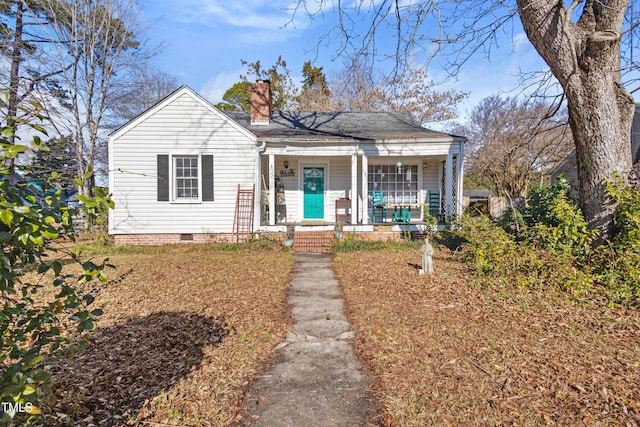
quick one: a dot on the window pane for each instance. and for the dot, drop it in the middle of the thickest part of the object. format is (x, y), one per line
(400, 185)
(186, 177)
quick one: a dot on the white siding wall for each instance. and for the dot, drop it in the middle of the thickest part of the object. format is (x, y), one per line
(431, 176)
(337, 182)
(183, 126)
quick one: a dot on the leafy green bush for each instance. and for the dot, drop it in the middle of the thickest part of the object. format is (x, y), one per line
(551, 245)
(552, 221)
(32, 327)
(486, 242)
(430, 221)
(541, 200)
(561, 229)
(619, 274)
(497, 258)
(617, 264)
(627, 214)
(94, 214)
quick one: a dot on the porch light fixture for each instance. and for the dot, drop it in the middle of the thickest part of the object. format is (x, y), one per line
(399, 165)
(286, 164)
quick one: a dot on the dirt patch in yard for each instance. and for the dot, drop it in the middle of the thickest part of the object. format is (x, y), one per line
(185, 330)
(444, 352)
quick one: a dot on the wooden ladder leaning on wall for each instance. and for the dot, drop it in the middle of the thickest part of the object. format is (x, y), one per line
(243, 218)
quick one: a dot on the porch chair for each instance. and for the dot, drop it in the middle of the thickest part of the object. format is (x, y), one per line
(434, 204)
(377, 202)
(402, 214)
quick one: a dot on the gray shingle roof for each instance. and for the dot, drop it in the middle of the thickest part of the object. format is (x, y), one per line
(336, 126)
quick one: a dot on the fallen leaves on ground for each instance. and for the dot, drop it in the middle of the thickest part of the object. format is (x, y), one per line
(443, 352)
(184, 331)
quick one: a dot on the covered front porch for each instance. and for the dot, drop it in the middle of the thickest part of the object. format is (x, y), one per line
(358, 186)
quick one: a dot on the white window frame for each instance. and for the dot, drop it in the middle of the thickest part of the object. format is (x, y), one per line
(392, 197)
(173, 190)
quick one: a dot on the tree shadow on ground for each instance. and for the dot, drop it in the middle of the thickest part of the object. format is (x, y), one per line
(129, 364)
(414, 266)
(449, 240)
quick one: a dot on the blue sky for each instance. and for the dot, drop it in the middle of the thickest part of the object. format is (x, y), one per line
(207, 39)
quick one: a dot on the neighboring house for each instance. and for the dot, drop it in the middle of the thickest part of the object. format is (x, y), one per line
(175, 170)
(568, 168)
(35, 186)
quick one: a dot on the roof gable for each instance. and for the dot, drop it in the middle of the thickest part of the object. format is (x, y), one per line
(172, 97)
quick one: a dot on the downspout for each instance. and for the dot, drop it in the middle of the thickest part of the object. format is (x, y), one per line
(257, 203)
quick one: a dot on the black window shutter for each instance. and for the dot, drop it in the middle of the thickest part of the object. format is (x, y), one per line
(163, 178)
(207, 178)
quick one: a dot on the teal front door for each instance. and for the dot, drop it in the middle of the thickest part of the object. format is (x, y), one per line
(313, 192)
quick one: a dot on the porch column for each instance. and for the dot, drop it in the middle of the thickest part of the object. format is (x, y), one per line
(448, 187)
(257, 201)
(365, 189)
(354, 188)
(459, 184)
(272, 189)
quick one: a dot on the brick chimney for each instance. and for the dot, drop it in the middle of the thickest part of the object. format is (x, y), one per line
(260, 102)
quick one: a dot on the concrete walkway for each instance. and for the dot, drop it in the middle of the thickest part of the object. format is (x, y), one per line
(317, 380)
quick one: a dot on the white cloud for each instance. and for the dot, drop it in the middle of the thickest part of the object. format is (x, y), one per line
(520, 40)
(217, 85)
(247, 14)
(265, 37)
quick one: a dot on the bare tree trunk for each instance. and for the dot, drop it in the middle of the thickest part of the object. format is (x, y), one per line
(600, 123)
(100, 45)
(14, 78)
(585, 58)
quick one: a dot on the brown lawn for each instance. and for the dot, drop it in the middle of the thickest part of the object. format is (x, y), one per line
(185, 329)
(442, 352)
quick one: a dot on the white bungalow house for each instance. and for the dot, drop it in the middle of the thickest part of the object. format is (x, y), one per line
(175, 170)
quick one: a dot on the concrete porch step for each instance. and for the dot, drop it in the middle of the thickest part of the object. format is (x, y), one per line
(313, 241)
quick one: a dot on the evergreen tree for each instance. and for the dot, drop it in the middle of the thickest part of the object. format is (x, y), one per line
(236, 97)
(315, 94)
(283, 91)
(56, 155)
(21, 34)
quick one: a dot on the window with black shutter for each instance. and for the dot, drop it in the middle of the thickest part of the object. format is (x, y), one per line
(185, 178)
(163, 177)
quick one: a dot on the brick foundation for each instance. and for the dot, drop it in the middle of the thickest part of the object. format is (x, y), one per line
(167, 239)
(380, 235)
(199, 238)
